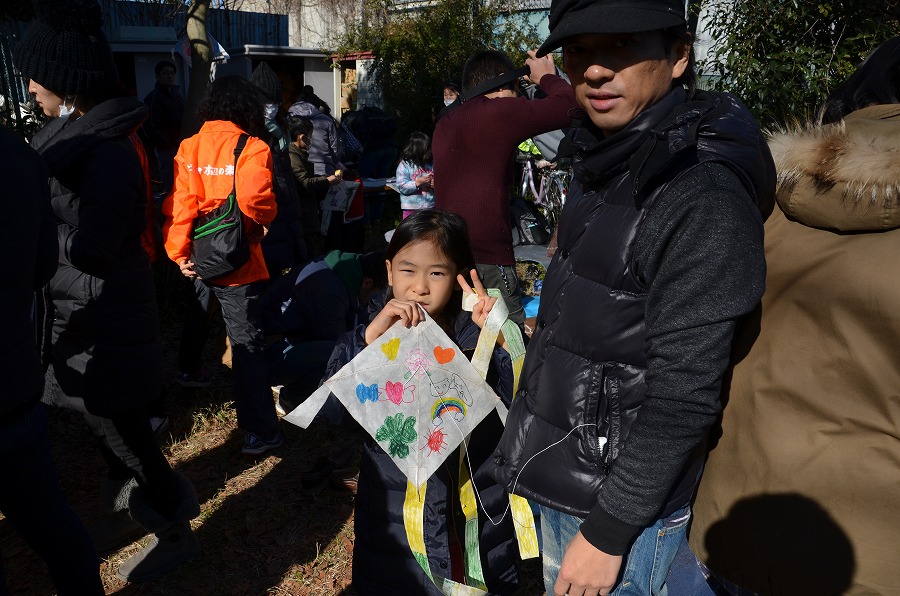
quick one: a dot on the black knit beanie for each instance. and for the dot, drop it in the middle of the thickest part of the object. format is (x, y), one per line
(64, 49)
(265, 79)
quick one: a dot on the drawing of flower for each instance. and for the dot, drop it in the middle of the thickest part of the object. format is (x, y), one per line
(399, 433)
(418, 363)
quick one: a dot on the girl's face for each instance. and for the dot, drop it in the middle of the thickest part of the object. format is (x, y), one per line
(419, 272)
(48, 100)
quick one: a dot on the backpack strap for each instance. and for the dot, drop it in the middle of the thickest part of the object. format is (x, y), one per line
(238, 149)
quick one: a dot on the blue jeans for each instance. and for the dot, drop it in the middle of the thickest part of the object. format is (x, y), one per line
(645, 566)
(689, 576)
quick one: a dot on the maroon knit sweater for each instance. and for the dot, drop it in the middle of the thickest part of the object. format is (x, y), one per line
(474, 149)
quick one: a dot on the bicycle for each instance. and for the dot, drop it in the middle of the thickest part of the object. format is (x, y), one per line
(550, 193)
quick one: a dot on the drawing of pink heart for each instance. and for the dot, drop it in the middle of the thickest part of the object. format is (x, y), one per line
(394, 392)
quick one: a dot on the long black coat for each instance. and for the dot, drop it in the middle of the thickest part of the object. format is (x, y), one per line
(28, 257)
(107, 354)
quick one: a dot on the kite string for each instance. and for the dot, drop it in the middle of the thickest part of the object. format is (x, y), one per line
(469, 459)
(522, 469)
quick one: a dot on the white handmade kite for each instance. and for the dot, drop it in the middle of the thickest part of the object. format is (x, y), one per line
(419, 397)
(414, 391)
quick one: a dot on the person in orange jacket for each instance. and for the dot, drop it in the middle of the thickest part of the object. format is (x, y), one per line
(204, 174)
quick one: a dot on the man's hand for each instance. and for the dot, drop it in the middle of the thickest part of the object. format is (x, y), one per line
(539, 66)
(586, 570)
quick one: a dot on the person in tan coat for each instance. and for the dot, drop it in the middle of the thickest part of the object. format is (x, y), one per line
(801, 493)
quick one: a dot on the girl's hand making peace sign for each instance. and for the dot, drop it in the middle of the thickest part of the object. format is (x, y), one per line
(485, 303)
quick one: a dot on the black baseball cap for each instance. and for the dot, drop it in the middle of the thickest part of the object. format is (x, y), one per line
(576, 17)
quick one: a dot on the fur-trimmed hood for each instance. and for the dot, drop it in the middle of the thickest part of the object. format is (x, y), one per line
(843, 176)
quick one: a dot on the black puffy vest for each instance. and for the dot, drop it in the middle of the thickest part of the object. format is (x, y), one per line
(583, 381)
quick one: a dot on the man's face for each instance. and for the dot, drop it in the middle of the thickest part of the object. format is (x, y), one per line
(618, 76)
(166, 76)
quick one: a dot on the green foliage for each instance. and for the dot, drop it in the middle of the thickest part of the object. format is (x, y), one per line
(783, 57)
(417, 51)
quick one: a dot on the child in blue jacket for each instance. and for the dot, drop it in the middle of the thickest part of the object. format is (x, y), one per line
(415, 175)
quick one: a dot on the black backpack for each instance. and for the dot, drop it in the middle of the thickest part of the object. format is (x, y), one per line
(219, 243)
(528, 223)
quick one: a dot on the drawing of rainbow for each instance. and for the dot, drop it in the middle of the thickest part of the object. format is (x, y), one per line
(448, 405)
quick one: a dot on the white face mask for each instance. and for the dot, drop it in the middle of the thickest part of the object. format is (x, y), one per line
(271, 111)
(447, 102)
(64, 110)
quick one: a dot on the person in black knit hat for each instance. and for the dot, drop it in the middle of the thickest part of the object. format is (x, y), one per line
(268, 83)
(106, 356)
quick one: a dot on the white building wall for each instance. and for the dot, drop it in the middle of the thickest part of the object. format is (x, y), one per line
(325, 82)
(311, 23)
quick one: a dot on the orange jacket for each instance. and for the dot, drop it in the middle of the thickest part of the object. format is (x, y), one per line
(203, 178)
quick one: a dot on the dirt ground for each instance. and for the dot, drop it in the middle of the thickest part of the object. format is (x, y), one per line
(261, 532)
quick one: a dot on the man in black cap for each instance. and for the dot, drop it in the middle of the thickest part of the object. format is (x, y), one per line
(660, 254)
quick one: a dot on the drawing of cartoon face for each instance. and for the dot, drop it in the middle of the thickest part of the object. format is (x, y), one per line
(452, 386)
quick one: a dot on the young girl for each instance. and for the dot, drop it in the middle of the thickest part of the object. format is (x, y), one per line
(427, 261)
(415, 175)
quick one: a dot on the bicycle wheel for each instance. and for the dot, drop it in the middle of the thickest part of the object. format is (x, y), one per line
(527, 180)
(554, 200)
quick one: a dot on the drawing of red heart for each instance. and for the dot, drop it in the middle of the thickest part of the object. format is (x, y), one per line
(394, 392)
(444, 355)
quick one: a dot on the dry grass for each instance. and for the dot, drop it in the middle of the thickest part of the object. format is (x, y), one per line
(261, 532)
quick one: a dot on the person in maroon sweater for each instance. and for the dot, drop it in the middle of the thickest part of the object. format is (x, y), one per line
(474, 149)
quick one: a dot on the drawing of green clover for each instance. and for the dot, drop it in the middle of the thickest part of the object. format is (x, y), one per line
(399, 433)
